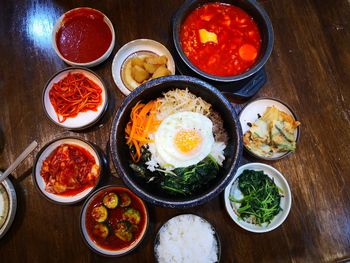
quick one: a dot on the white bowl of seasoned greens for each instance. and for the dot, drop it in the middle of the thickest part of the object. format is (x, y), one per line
(258, 198)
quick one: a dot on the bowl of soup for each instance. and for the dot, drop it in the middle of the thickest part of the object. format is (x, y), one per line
(223, 41)
(113, 221)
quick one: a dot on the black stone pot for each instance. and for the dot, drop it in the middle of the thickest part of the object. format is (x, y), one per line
(250, 81)
(152, 90)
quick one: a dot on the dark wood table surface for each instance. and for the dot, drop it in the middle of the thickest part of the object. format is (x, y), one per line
(309, 69)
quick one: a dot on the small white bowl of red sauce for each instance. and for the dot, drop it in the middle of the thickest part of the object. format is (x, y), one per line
(222, 41)
(75, 98)
(83, 37)
(113, 221)
(67, 170)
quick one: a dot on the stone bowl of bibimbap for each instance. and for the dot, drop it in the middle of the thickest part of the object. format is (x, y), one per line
(175, 141)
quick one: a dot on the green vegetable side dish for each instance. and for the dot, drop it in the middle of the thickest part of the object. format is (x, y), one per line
(110, 200)
(100, 213)
(101, 230)
(123, 232)
(125, 200)
(132, 215)
(187, 180)
(261, 197)
(183, 181)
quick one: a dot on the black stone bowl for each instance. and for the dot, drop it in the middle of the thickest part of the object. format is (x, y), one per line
(254, 9)
(152, 90)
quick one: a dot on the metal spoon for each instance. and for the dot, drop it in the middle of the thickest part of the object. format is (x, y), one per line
(19, 159)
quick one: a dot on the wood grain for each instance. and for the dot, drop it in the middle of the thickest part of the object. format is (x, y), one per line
(308, 69)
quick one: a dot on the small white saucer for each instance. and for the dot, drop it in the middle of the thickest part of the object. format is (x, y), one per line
(132, 48)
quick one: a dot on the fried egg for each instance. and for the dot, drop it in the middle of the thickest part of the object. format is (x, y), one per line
(183, 139)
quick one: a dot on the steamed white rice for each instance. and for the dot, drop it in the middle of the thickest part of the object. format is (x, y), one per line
(187, 238)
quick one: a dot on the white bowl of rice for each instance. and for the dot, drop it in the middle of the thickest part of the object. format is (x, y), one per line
(187, 238)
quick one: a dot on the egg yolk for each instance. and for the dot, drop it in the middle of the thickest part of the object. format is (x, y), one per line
(187, 140)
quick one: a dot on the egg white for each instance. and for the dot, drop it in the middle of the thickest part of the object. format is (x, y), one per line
(164, 139)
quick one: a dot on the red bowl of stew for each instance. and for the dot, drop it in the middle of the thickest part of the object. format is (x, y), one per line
(222, 41)
(113, 221)
(83, 37)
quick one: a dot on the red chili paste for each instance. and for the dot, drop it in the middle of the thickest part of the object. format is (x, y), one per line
(83, 36)
(234, 42)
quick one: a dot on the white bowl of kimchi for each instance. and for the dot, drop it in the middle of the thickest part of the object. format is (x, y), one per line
(75, 98)
(67, 170)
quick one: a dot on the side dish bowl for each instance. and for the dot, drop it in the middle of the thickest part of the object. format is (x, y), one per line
(285, 202)
(46, 151)
(251, 112)
(254, 9)
(177, 237)
(8, 205)
(132, 49)
(152, 90)
(85, 217)
(60, 22)
(84, 119)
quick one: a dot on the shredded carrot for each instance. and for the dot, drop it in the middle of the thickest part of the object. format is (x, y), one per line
(73, 94)
(142, 122)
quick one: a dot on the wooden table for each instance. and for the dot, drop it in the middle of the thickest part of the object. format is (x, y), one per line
(308, 69)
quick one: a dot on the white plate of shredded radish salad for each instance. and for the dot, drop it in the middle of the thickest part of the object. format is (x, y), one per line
(176, 141)
(187, 238)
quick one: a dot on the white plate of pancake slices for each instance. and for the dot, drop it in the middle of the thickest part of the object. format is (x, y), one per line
(272, 113)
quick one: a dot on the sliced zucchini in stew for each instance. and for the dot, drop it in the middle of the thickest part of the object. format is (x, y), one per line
(133, 228)
(125, 199)
(100, 230)
(132, 215)
(99, 213)
(122, 231)
(110, 200)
